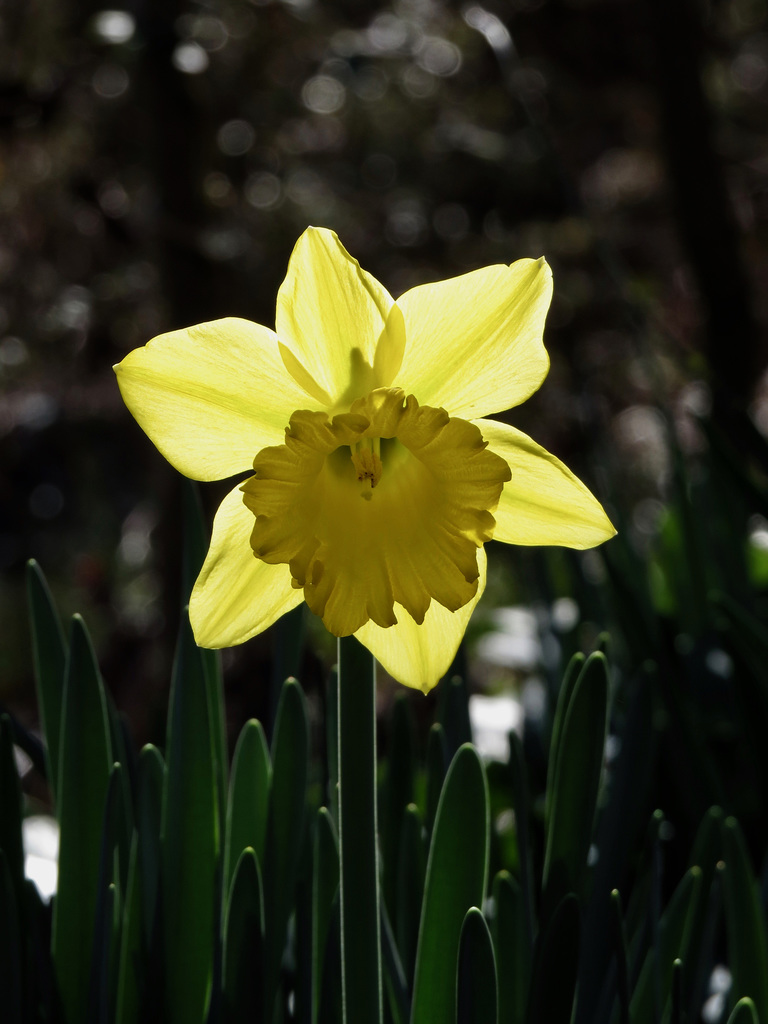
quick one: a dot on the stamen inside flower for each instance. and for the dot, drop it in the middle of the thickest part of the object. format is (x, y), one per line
(366, 458)
(431, 486)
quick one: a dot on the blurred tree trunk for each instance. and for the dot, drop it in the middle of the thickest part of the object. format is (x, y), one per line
(176, 127)
(176, 140)
(703, 209)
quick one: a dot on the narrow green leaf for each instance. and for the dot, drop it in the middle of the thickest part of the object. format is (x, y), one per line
(676, 1007)
(411, 868)
(555, 965)
(706, 854)
(332, 742)
(745, 922)
(190, 839)
(331, 1011)
(643, 908)
(287, 642)
(674, 935)
(102, 975)
(123, 754)
(214, 685)
(437, 767)
(577, 778)
(453, 713)
(620, 946)
(617, 836)
(196, 537)
(394, 975)
(285, 829)
(103, 982)
(248, 803)
(744, 1012)
(476, 986)
(149, 812)
(456, 880)
(361, 976)
(84, 766)
(325, 887)
(11, 842)
(398, 793)
(522, 809)
(49, 655)
(10, 948)
(244, 943)
(41, 999)
(131, 967)
(513, 952)
(301, 934)
(572, 673)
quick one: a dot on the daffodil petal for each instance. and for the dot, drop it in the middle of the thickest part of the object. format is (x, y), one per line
(543, 503)
(420, 655)
(342, 334)
(474, 343)
(237, 595)
(210, 397)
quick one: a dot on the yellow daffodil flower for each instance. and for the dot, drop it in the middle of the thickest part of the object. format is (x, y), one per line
(375, 481)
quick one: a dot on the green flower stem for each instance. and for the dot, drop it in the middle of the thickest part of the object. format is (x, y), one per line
(358, 845)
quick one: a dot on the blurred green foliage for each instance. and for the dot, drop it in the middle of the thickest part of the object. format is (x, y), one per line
(577, 889)
(158, 161)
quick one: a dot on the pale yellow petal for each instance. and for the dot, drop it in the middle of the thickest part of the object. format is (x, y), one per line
(474, 343)
(419, 656)
(211, 396)
(341, 333)
(543, 503)
(237, 595)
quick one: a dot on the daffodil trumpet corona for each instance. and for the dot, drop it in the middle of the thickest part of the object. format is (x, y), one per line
(376, 475)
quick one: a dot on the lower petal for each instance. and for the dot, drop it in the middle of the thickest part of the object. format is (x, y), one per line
(237, 595)
(543, 502)
(420, 655)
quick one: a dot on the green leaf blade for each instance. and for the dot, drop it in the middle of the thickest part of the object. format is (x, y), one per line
(745, 922)
(84, 769)
(244, 943)
(285, 829)
(456, 880)
(190, 839)
(49, 652)
(248, 801)
(476, 984)
(579, 758)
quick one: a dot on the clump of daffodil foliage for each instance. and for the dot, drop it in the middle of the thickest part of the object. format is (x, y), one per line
(376, 478)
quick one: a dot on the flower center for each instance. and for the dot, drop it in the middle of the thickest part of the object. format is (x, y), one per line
(430, 486)
(366, 458)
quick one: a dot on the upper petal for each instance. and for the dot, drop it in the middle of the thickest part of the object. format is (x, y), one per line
(420, 655)
(342, 334)
(543, 503)
(474, 343)
(237, 595)
(211, 396)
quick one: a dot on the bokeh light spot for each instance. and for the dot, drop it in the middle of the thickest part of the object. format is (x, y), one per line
(190, 58)
(235, 137)
(323, 94)
(114, 27)
(263, 190)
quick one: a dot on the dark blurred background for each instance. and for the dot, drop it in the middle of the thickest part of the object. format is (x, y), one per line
(158, 162)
